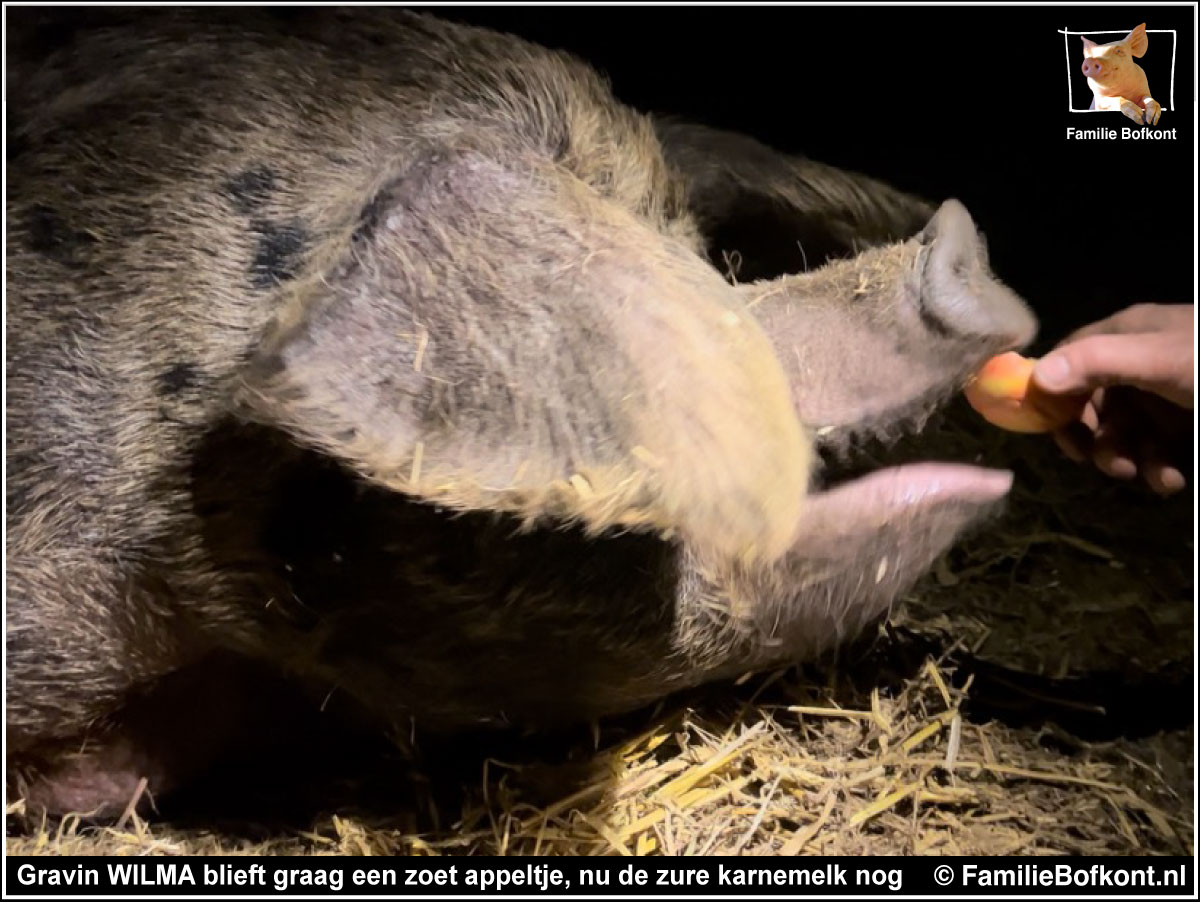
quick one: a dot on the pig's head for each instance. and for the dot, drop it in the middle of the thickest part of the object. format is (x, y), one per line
(873, 345)
(876, 341)
(1112, 63)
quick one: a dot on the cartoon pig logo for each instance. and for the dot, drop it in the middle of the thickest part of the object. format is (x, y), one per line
(1117, 82)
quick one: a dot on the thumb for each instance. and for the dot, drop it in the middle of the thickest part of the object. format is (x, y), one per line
(1149, 361)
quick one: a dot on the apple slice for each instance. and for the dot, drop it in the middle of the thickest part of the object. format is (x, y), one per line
(1002, 391)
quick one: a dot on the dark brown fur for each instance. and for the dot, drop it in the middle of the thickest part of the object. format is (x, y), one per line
(391, 352)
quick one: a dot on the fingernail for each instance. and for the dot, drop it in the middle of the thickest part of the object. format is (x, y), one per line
(1052, 371)
(1120, 468)
(1170, 481)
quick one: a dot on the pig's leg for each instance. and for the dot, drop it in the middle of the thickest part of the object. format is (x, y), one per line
(765, 213)
(1132, 110)
(1153, 110)
(496, 335)
(163, 736)
(79, 632)
(84, 634)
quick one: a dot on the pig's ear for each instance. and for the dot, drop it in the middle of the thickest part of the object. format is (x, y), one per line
(498, 336)
(1137, 40)
(1089, 47)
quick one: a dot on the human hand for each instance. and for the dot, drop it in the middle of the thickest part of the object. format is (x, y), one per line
(1137, 369)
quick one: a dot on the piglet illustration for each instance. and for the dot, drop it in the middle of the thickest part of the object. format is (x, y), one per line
(1117, 82)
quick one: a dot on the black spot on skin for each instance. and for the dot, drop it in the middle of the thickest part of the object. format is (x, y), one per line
(372, 215)
(394, 194)
(250, 189)
(260, 367)
(50, 235)
(177, 379)
(277, 256)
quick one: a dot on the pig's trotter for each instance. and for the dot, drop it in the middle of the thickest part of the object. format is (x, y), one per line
(497, 335)
(1153, 110)
(1132, 110)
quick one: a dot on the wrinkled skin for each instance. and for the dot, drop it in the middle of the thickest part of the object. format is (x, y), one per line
(395, 355)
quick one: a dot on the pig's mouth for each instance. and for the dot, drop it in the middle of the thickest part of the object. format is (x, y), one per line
(863, 492)
(869, 533)
(867, 459)
(950, 315)
(872, 528)
(879, 480)
(884, 470)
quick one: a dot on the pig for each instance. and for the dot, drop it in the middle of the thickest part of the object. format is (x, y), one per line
(1117, 82)
(398, 357)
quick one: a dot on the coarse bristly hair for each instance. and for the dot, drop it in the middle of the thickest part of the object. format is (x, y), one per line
(392, 352)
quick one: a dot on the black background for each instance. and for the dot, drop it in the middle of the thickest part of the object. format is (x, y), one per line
(944, 101)
(966, 102)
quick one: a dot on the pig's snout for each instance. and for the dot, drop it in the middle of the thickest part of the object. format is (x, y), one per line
(1092, 68)
(959, 295)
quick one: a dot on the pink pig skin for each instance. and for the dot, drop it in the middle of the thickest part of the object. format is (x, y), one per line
(1117, 82)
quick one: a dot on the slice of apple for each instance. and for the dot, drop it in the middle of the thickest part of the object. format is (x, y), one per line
(1003, 392)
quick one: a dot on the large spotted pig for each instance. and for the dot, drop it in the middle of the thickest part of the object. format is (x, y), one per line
(401, 356)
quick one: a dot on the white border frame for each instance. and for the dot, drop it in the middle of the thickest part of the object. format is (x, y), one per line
(1067, 52)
